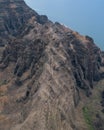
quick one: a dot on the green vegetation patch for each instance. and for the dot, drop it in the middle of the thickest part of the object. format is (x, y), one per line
(88, 118)
(4, 82)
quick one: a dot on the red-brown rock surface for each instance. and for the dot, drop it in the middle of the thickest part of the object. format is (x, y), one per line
(44, 69)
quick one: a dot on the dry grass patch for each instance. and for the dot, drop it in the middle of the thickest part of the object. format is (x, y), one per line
(80, 37)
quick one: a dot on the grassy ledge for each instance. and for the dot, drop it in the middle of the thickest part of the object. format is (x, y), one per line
(87, 118)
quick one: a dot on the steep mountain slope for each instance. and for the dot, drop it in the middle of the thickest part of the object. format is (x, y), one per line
(48, 73)
(14, 14)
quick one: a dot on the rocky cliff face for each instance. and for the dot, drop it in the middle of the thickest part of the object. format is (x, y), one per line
(45, 70)
(14, 14)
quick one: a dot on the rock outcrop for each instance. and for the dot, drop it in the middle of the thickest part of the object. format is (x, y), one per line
(44, 68)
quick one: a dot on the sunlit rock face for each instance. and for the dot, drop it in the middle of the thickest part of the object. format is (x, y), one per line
(45, 68)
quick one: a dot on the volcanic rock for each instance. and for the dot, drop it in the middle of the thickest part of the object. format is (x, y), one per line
(46, 67)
